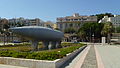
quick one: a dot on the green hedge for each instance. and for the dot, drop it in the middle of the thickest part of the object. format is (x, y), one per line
(23, 47)
(67, 44)
(41, 55)
(26, 47)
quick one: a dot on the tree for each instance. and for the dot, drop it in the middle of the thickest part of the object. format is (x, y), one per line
(5, 31)
(107, 31)
(82, 35)
(6, 26)
(117, 29)
(57, 29)
(91, 29)
(70, 30)
(19, 24)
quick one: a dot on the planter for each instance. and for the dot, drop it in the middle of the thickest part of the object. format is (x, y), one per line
(31, 63)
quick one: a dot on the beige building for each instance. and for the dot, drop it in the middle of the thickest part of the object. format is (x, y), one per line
(50, 24)
(55, 26)
(2, 22)
(75, 21)
(35, 22)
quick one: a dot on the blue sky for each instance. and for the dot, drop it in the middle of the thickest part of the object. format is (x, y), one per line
(51, 9)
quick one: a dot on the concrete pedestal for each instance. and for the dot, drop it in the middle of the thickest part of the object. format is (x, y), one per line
(103, 40)
(34, 45)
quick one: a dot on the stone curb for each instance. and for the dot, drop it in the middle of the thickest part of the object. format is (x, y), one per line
(84, 53)
(71, 56)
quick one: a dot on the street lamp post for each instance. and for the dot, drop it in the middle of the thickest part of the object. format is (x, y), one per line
(90, 34)
(93, 38)
(4, 36)
(11, 36)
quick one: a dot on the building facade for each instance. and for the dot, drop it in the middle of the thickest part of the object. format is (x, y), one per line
(114, 20)
(16, 22)
(50, 24)
(3, 21)
(75, 21)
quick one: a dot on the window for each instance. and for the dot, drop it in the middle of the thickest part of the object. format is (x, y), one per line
(79, 19)
(67, 19)
(75, 19)
(71, 19)
(84, 18)
(60, 26)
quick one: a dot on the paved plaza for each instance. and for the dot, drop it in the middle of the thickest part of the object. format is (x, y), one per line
(110, 55)
(97, 56)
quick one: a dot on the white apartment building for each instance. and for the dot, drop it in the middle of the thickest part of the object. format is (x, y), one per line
(114, 20)
(104, 19)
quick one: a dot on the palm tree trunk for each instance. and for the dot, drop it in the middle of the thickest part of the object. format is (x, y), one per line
(108, 38)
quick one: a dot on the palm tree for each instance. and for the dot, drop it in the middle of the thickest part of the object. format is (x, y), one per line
(107, 31)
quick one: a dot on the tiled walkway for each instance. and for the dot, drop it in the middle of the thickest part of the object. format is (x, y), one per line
(78, 59)
(90, 60)
(97, 56)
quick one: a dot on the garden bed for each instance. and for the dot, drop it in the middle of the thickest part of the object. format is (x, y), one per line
(51, 58)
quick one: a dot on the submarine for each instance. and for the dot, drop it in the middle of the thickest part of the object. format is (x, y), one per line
(51, 38)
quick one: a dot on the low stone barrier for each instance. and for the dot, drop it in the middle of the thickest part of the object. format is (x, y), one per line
(31, 63)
